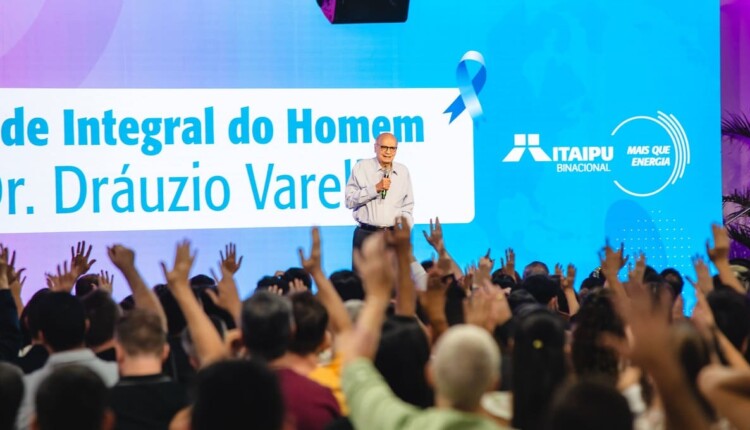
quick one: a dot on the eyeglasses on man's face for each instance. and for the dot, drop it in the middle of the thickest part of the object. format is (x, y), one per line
(387, 148)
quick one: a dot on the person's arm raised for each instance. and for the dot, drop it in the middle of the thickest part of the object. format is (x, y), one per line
(406, 294)
(567, 283)
(719, 255)
(651, 348)
(208, 343)
(15, 278)
(227, 297)
(437, 241)
(124, 259)
(339, 318)
(374, 265)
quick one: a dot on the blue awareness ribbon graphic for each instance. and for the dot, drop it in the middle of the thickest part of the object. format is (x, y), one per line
(469, 88)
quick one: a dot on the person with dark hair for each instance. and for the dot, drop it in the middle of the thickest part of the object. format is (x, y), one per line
(10, 329)
(144, 398)
(535, 268)
(348, 284)
(596, 317)
(539, 365)
(102, 313)
(544, 289)
(674, 279)
(11, 394)
(62, 329)
(86, 284)
(294, 273)
(72, 397)
(589, 405)
(267, 282)
(229, 393)
(403, 353)
(33, 356)
(732, 316)
(177, 366)
(267, 322)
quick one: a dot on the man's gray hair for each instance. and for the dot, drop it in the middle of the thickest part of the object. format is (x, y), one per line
(466, 364)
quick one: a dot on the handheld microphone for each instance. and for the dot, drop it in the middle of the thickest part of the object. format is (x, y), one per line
(387, 174)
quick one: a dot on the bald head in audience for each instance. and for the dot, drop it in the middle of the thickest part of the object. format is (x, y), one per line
(466, 364)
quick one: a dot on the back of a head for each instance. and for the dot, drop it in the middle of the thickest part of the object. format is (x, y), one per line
(176, 322)
(403, 353)
(539, 365)
(86, 284)
(140, 332)
(72, 397)
(62, 321)
(266, 282)
(732, 315)
(237, 391)
(267, 325)
(30, 316)
(589, 405)
(596, 316)
(293, 273)
(310, 323)
(535, 268)
(11, 394)
(102, 313)
(348, 284)
(674, 278)
(541, 287)
(466, 364)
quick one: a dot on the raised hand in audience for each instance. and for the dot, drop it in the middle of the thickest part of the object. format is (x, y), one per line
(437, 241)
(567, 284)
(106, 281)
(313, 264)
(651, 348)
(208, 343)
(15, 279)
(508, 264)
(124, 259)
(719, 255)
(297, 286)
(229, 259)
(80, 262)
(65, 279)
(433, 299)
(484, 271)
(227, 296)
(703, 281)
(406, 294)
(611, 262)
(487, 307)
(375, 267)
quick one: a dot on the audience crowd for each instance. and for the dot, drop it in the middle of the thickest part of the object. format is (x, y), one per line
(396, 344)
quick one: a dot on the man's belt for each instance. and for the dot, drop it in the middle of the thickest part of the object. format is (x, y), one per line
(368, 227)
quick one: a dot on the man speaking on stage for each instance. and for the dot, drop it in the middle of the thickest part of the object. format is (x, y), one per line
(379, 190)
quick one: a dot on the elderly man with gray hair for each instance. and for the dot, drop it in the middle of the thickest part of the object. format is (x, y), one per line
(465, 364)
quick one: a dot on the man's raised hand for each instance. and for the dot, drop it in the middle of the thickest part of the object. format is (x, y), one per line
(178, 279)
(229, 258)
(313, 263)
(80, 258)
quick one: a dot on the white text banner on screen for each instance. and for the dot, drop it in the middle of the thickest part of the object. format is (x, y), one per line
(163, 159)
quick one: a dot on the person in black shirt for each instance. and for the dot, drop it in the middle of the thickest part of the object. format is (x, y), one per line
(144, 398)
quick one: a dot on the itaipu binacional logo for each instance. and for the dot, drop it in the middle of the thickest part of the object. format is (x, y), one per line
(647, 154)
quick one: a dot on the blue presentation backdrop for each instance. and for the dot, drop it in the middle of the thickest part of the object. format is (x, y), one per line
(597, 120)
